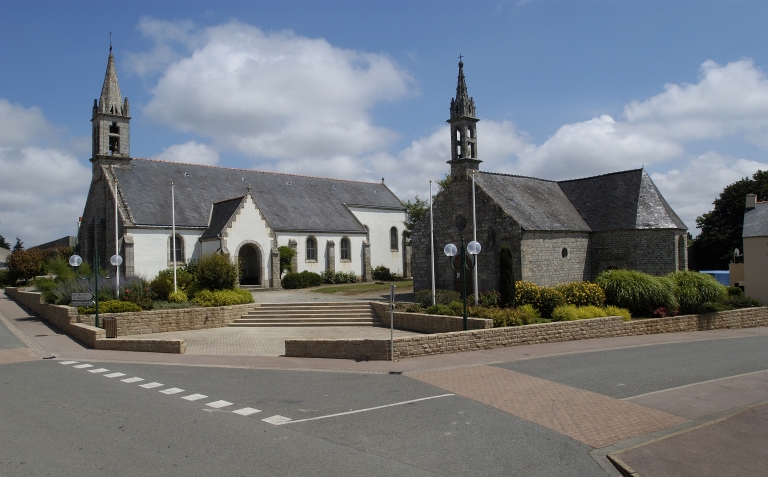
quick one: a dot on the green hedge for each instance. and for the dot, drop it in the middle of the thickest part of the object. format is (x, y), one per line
(694, 289)
(110, 306)
(223, 297)
(638, 292)
(301, 280)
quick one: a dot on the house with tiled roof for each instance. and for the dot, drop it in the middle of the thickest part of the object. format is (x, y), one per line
(755, 236)
(559, 231)
(134, 205)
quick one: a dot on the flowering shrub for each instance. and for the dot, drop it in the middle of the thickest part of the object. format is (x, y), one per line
(582, 293)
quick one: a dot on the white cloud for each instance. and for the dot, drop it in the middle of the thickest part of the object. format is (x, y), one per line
(171, 40)
(278, 95)
(692, 189)
(42, 190)
(191, 152)
(730, 99)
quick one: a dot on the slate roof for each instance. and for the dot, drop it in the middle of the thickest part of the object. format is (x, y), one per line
(220, 215)
(618, 201)
(621, 201)
(535, 204)
(288, 202)
(756, 221)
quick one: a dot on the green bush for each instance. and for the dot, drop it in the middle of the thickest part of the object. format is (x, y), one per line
(442, 297)
(162, 284)
(286, 258)
(506, 278)
(439, 309)
(693, 289)
(292, 281)
(223, 297)
(549, 299)
(216, 272)
(743, 302)
(486, 298)
(735, 291)
(413, 308)
(638, 292)
(522, 315)
(611, 310)
(565, 313)
(136, 290)
(5, 278)
(110, 306)
(457, 308)
(311, 279)
(582, 293)
(382, 273)
(178, 297)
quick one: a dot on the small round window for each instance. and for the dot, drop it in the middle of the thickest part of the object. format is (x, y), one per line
(565, 252)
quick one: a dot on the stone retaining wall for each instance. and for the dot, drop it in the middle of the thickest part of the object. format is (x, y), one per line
(81, 327)
(473, 340)
(424, 323)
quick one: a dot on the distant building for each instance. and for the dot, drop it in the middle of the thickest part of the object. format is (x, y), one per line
(333, 224)
(755, 235)
(559, 232)
(4, 252)
(68, 241)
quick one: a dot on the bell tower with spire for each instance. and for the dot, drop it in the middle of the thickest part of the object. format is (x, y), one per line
(111, 120)
(463, 131)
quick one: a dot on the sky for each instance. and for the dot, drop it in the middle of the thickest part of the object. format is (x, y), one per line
(360, 90)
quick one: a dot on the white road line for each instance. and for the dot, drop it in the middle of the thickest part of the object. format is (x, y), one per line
(83, 366)
(219, 404)
(172, 391)
(194, 397)
(353, 412)
(246, 411)
(693, 384)
(132, 380)
(277, 420)
(114, 375)
(67, 362)
(151, 385)
(98, 370)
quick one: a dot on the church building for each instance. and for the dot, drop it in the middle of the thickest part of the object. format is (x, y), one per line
(333, 224)
(559, 231)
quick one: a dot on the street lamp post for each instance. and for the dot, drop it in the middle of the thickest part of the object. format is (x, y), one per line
(75, 261)
(472, 248)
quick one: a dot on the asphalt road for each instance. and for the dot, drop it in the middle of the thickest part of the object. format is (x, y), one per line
(66, 418)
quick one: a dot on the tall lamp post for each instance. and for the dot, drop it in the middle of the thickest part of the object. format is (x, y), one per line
(75, 261)
(472, 248)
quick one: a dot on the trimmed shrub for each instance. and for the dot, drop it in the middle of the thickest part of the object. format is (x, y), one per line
(565, 313)
(743, 302)
(178, 297)
(549, 299)
(638, 292)
(527, 293)
(413, 309)
(439, 309)
(311, 279)
(382, 273)
(292, 281)
(110, 306)
(457, 308)
(522, 315)
(506, 278)
(223, 297)
(582, 293)
(735, 291)
(693, 289)
(216, 272)
(528, 315)
(611, 310)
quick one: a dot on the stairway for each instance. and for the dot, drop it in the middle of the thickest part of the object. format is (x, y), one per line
(310, 314)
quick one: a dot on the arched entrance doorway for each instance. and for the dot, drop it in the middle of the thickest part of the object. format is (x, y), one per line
(250, 265)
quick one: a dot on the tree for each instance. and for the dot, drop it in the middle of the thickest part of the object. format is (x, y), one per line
(286, 258)
(19, 245)
(443, 183)
(25, 264)
(722, 227)
(414, 211)
(4, 243)
(506, 277)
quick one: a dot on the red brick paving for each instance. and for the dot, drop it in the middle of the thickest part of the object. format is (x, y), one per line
(588, 417)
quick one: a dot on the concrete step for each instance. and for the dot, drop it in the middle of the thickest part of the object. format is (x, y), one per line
(310, 314)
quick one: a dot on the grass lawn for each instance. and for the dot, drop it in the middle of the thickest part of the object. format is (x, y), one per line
(356, 288)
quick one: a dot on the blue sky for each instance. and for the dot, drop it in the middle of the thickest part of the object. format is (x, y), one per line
(360, 90)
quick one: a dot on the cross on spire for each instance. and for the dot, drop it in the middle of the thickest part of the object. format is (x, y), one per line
(460, 57)
(110, 42)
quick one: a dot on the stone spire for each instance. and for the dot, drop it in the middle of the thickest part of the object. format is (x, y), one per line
(462, 105)
(111, 118)
(111, 101)
(463, 131)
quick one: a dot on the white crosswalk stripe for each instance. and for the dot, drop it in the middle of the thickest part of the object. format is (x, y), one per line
(68, 362)
(114, 375)
(194, 397)
(132, 380)
(151, 385)
(83, 366)
(98, 370)
(246, 411)
(172, 391)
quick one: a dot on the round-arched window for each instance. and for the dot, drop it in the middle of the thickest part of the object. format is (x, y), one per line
(564, 252)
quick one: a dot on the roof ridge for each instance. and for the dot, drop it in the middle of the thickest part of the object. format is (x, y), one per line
(515, 175)
(227, 200)
(254, 170)
(600, 175)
